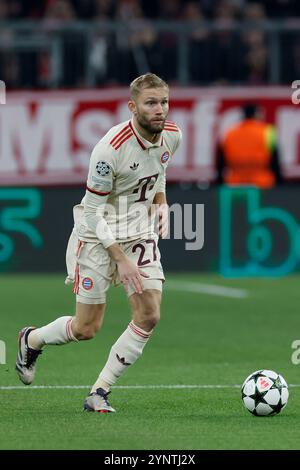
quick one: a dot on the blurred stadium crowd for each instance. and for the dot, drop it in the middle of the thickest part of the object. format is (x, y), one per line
(128, 9)
(94, 55)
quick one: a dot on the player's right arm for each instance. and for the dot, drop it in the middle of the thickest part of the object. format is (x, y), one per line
(102, 172)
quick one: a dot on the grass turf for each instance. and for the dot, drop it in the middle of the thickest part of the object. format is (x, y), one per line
(201, 340)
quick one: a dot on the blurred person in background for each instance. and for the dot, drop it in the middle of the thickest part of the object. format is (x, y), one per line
(199, 49)
(59, 15)
(127, 45)
(254, 64)
(171, 10)
(139, 50)
(248, 153)
(102, 50)
(8, 61)
(282, 8)
(255, 56)
(19, 66)
(226, 52)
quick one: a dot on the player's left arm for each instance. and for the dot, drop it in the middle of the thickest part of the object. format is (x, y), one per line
(160, 201)
(160, 198)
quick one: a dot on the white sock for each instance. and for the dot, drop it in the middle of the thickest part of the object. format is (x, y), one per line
(57, 332)
(126, 350)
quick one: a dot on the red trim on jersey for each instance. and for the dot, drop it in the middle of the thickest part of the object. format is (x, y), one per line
(119, 139)
(124, 140)
(77, 278)
(97, 192)
(77, 274)
(171, 129)
(139, 141)
(119, 134)
(79, 247)
(170, 126)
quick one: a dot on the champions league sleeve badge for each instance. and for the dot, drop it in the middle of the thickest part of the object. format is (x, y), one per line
(103, 169)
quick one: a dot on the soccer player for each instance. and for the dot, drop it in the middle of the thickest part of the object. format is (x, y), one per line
(114, 239)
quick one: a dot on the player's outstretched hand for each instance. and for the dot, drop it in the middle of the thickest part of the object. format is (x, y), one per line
(130, 274)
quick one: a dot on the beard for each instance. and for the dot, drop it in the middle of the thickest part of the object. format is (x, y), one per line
(151, 127)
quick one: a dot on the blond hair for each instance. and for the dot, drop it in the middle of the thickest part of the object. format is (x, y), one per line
(148, 80)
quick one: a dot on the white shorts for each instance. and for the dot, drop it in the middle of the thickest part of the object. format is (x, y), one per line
(92, 271)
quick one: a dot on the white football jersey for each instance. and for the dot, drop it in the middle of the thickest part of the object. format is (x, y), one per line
(126, 171)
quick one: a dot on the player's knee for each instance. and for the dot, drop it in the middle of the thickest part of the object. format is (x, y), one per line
(87, 331)
(87, 322)
(154, 320)
(151, 318)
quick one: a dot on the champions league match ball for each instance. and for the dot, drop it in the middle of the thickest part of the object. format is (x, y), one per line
(265, 393)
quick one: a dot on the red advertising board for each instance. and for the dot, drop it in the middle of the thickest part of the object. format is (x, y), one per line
(46, 137)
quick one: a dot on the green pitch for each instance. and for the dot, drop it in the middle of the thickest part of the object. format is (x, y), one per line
(206, 340)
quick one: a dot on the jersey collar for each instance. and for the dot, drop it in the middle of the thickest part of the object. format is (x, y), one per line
(145, 144)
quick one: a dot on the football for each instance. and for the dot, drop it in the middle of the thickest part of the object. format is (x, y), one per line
(265, 393)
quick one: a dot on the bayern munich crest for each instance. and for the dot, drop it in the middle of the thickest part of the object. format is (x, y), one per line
(165, 157)
(87, 283)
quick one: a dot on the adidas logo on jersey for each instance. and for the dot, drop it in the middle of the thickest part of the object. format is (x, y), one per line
(134, 166)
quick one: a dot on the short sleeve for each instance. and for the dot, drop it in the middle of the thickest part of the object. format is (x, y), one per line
(101, 170)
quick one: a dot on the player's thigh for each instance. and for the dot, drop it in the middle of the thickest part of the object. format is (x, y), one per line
(145, 308)
(145, 254)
